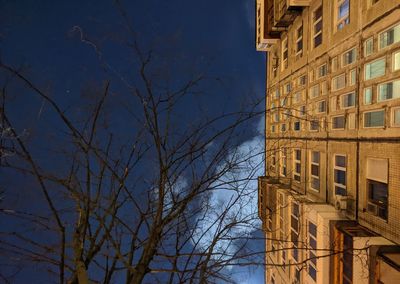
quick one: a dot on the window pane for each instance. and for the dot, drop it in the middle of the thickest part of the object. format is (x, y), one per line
(396, 61)
(367, 96)
(343, 9)
(312, 229)
(340, 161)
(374, 119)
(340, 177)
(369, 46)
(375, 69)
(396, 117)
(338, 122)
(315, 157)
(390, 90)
(315, 183)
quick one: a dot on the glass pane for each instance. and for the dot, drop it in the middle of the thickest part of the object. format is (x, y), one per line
(374, 119)
(315, 183)
(367, 96)
(312, 229)
(375, 69)
(340, 177)
(340, 161)
(343, 9)
(396, 117)
(340, 190)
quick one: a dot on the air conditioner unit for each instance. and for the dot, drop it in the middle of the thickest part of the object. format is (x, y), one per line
(341, 202)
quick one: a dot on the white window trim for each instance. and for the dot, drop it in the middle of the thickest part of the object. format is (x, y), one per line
(365, 46)
(295, 162)
(341, 100)
(378, 91)
(355, 57)
(314, 23)
(376, 127)
(319, 171)
(392, 117)
(344, 169)
(384, 31)
(393, 61)
(370, 62)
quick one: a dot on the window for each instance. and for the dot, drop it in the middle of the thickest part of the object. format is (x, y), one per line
(273, 160)
(299, 40)
(314, 125)
(285, 53)
(339, 82)
(302, 110)
(375, 69)
(273, 128)
(275, 116)
(294, 229)
(368, 96)
(297, 165)
(296, 97)
(348, 100)
(349, 57)
(339, 174)
(277, 94)
(396, 61)
(314, 91)
(322, 70)
(343, 14)
(312, 242)
(283, 162)
(396, 117)
(311, 77)
(321, 106)
(389, 90)
(324, 88)
(302, 80)
(334, 64)
(297, 126)
(377, 187)
(389, 37)
(374, 118)
(369, 46)
(338, 122)
(352, 77)
(317, 25)
(315, 159)
(288, 88)
(283, 127)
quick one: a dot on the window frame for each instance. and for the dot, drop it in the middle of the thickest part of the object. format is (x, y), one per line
(371, 40)
(299, 40)
(283, 162)
(394, 109)
(285, 53)
(364, 95)
(374, 110)
(394, 60)
(384, 31)
(344, 20)
(385, 83)
(318, 165)
(295, 163)
(371, 62)
(342, 169)
(318, 104)
(334, 86)
(315, 22)
(344, 122)
(312, 255)
(343, 56)
(342, 106)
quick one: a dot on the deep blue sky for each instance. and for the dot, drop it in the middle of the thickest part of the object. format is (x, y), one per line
(213, 37)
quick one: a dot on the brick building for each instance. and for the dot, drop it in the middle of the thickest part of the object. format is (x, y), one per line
(330, 197)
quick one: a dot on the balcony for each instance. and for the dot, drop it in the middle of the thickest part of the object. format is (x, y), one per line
(286, 11)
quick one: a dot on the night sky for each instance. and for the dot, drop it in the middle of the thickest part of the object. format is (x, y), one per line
(67, 46)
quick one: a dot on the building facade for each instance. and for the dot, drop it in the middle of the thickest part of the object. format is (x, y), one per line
(330, 197)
